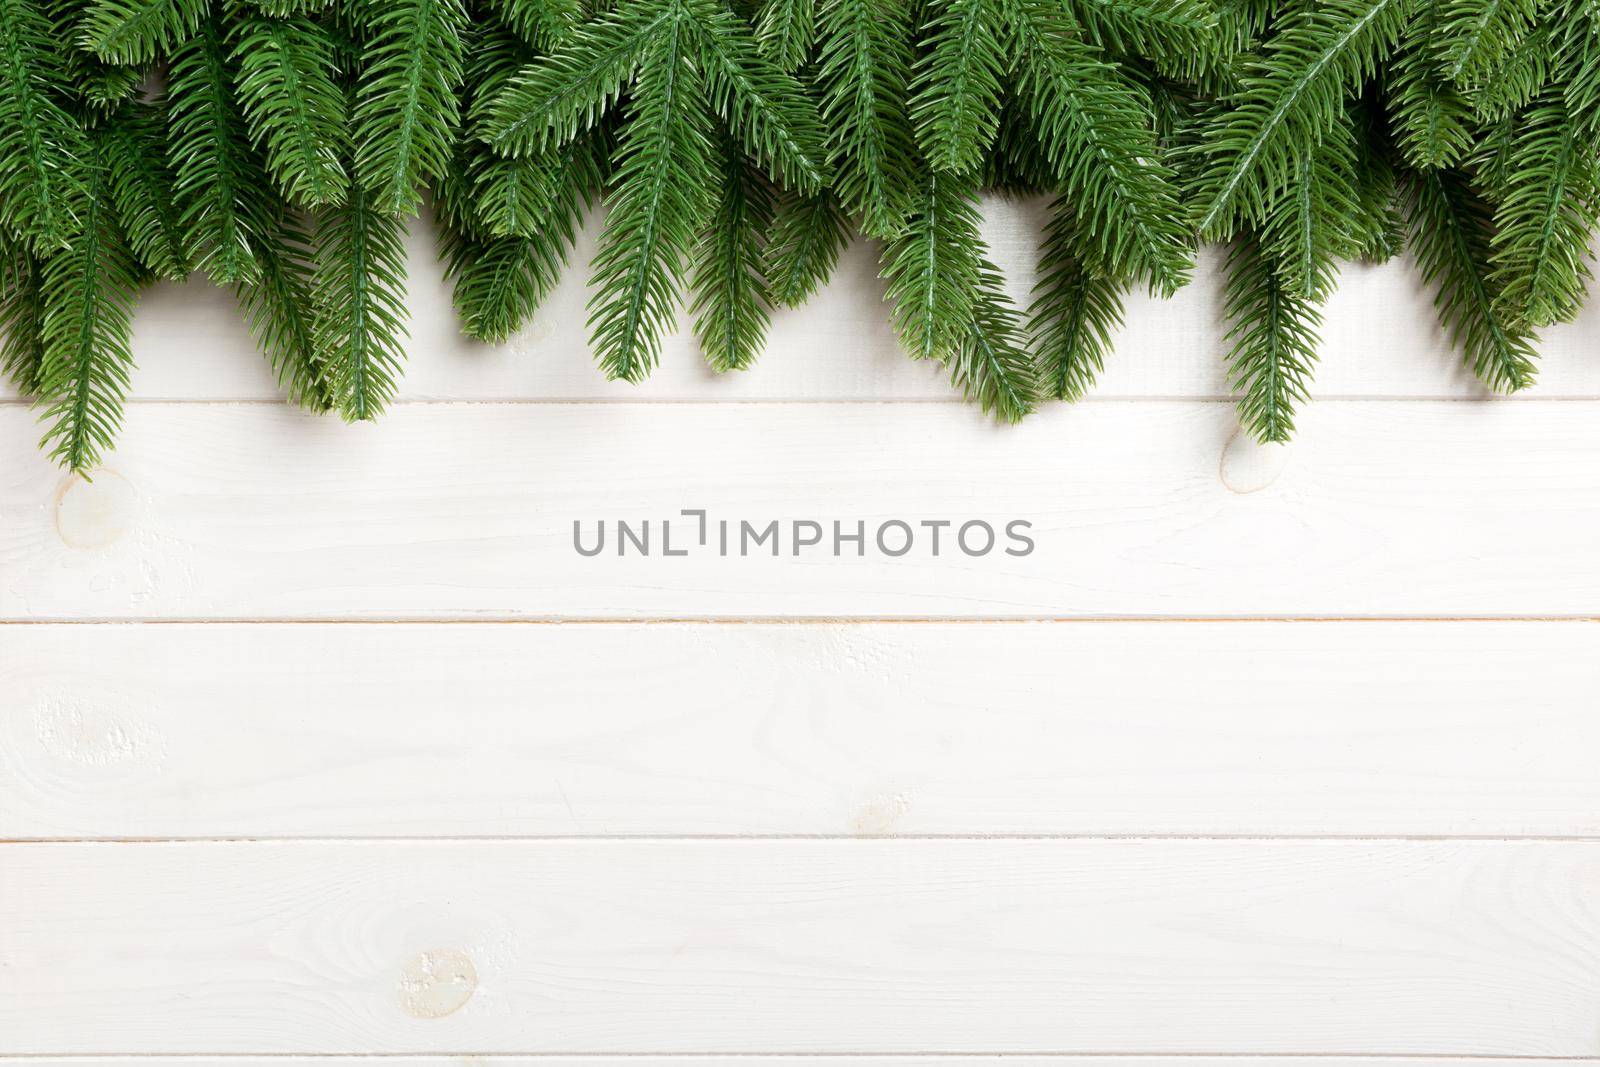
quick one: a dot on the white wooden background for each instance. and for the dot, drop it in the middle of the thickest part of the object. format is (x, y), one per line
(318, 741)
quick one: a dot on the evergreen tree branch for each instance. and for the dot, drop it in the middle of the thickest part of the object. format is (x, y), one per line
(991, 364)
(543, 24)
(1273, 342)
(764, 107)
(657, 209)
(218, 179)
(287, 9)
(1452, 229)
(1017, 166)
(1524, 72)
(731, 301)
(787, 31)
(958, 86)
(280, 311)
(284, 77)
(41, 182)
(863, 69)
(92, 83)
(803, 248)
(1434, 121)
(934, 268)
(359, 301)
(1547, 205)
(1567, 47)
(563, 94)
(512, 196)
(1380, 226)
(1076, 310)
(500, 281)
(136, 31)
(501, 196)
(1183, 38)
(1293, 97)
(1097, 138)
(406, 107)
(21, 317)
(1311, 225)
(1473, 37)
(89, 290)
(140, 185)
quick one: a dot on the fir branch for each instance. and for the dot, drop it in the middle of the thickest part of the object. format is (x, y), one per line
(512, 196)
(1452, 229)
(1434, 121)
(863, 69)
(1273, 342)
(140, 184)
(686, 61)
(21, 317)
(990, 363)
(1294, 96)
(565, 93)
(503, 197)
(1096, 136)
(657, 209)
(1523, 73)
(500, 281)
(1311, 225)
(540, 23)
(1548, 202)
(279, 309)
(359, 298)
(92, 83)
(1567, 47)
(1379, 232)
(89, 290)
(808, 233)
(284, 77)
(406, 107)
(959, 83)
(934, 268)
(1474, 37)
(136, 31)
(1017, 165)
(1242, 23)
(1076, 309)
(286, 9)
(787, 31)
(41, 183)
(765, 108)
(1491, 157)
(218, 179)
(1183, 38)
(731, 301)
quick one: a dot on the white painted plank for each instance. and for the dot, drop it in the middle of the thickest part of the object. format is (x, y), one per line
(1380, 338)
(879, 729)
(803, 946)
(1136, 509)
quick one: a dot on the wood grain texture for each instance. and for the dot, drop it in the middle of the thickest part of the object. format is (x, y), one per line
(462, 511)
(1380, 338)
(880, 729)
(803, 946)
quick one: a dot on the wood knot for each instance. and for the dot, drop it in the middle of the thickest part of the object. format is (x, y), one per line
(96, 513)
(435, 983)
(1248, 466)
